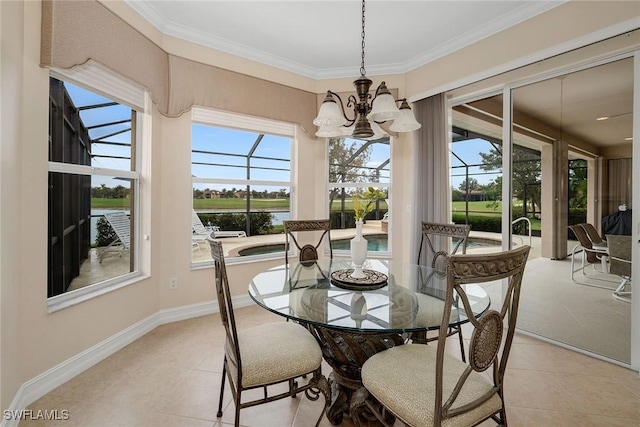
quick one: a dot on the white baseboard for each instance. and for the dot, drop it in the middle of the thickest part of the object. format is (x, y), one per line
(37, 387)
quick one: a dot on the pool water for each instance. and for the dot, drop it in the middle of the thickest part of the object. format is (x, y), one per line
(376, 242)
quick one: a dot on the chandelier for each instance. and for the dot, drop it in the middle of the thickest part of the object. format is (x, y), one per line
(332, 120)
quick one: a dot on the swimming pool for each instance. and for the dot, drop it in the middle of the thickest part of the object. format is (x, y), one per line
(376, 242)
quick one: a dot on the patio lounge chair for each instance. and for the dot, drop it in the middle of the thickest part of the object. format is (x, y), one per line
(591, 254)
(121, 225)
(202, 233)
(217, 233)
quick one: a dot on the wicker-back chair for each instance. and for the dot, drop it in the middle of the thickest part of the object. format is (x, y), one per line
(425, 385)
(265, 355)
(432, 230)
(307, 252)
(429, 232)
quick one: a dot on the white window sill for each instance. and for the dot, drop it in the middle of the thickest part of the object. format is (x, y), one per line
(69, 299)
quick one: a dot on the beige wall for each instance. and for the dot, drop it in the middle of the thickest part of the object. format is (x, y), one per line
(33, 341)
(11, 104)
(543, 36)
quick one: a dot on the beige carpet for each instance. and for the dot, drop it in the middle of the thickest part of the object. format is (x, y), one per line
(581, 316)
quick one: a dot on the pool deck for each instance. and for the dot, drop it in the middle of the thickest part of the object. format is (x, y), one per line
(92, 271)
(232, 245)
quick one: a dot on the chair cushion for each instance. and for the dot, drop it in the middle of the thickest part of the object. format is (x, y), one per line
(275, 352)
(403, 379)
(429, 310)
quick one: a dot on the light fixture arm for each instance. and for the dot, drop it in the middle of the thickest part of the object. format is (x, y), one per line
(365, 114)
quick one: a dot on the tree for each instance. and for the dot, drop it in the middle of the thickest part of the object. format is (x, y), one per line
(577, 183)
(474, 185)
(346, 161)
(526, 173)
(493, 190)
(456, 195)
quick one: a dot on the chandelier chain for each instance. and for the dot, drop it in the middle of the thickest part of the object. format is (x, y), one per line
(363, 72)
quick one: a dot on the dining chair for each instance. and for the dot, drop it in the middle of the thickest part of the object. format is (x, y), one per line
(425, 385)
(306, 251)
(459, 235)
(620, 264)
(265, 355)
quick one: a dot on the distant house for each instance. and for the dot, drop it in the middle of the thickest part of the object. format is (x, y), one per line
(475, 196)
(210, 194)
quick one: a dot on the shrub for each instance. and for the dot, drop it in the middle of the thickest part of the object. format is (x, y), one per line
(261, 222)
(350, 218)
(106, 235)
(490, 223)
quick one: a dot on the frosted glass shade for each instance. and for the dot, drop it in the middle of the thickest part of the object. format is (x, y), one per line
(383, 108)
(330, 113)
(406, 122)
(329, 131)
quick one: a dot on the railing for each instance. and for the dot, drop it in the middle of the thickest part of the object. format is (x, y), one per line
(524, 218)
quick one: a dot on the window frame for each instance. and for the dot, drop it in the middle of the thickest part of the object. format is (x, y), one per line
(362, 185)
(234, 121)
(93, 77)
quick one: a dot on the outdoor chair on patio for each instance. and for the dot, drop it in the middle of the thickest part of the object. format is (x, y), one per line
(620, 264)
(430, 234)
(199, 232)
(202, 233)
(121, 225)
(425, 385)
(591, 255)
(597, 242)
(265, 355)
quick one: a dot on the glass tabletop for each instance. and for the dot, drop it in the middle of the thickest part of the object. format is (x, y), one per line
(411, 300)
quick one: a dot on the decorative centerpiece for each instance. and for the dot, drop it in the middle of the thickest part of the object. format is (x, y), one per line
(372, 280)
(362, 205)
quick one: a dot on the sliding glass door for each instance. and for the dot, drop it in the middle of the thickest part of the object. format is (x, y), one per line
(566, 158)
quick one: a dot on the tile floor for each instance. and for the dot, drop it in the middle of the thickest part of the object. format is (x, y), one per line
(171, 377)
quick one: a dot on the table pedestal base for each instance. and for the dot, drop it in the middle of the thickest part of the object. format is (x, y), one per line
(346, 353)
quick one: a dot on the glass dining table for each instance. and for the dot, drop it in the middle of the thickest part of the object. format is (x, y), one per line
(353, 319)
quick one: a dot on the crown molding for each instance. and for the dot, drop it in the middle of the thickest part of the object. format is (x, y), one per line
(167, 27)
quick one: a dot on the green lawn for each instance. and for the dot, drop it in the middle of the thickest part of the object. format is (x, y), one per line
(478, 207)
(487, 208)
(239, 204)
(100, 203)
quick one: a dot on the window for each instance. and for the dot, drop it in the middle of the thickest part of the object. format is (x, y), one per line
(355, 166)
(241, 181)
(93, 189)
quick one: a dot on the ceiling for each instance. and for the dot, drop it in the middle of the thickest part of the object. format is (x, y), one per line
(566, 107)
(322, 38)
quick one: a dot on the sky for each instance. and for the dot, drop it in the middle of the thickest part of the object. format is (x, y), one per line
(469, 151)
(218, 139)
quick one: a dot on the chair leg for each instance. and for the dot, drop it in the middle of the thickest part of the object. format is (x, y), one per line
(461, 344)
(236, 423)
(224, 376)
(619, 290)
